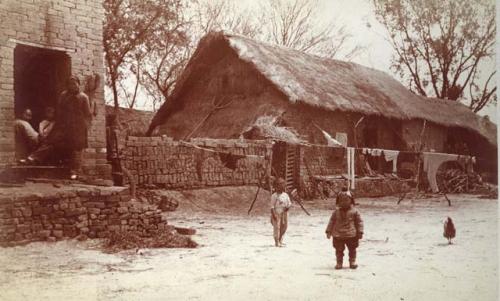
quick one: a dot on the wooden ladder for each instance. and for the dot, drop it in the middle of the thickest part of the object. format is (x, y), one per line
(290, 167)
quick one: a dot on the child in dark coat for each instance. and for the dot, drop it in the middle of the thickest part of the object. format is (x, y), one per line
(346, 227)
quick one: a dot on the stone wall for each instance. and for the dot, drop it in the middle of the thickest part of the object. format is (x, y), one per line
(162, 162)
(71, 27)
(90, 211)
(365, 187)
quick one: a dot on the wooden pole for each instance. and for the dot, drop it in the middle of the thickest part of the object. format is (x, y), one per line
(419, 149)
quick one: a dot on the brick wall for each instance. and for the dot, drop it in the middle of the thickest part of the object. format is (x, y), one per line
(166, 163)
(71, 26)
(65, 214)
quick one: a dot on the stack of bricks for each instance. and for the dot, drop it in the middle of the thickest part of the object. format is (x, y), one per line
(84, 211)
(73, 27)
(162, 162)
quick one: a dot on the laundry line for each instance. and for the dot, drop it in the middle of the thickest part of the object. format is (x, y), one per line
(381, 149)
(219, 152)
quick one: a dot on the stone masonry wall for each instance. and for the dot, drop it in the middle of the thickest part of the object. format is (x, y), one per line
(70, 26)
(59, 215)
(162, 162)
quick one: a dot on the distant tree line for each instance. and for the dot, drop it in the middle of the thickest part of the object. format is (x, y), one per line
(438, 44)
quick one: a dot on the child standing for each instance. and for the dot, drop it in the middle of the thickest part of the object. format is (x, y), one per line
(346, 227)
(280, 203)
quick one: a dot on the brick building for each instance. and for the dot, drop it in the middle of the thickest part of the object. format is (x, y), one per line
(42, 42)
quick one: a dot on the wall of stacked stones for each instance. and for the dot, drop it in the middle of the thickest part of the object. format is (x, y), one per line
(162, 162)
(70, 26)
(63, 215)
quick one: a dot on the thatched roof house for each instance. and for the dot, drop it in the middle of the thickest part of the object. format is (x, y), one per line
(251, 79)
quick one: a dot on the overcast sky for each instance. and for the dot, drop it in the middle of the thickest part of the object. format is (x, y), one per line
(358, 16)
(360, 20)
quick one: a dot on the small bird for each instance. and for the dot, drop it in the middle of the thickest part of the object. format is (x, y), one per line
(449, 229)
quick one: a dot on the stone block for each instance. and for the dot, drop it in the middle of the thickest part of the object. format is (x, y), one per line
(38, 210)
(57, 233)
(94, 211)
(114, 228)
(43, 233)
(122, 210)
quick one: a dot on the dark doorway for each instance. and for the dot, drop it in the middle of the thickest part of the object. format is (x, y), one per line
(39, 77)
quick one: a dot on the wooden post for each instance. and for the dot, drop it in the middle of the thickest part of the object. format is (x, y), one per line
(419, 149)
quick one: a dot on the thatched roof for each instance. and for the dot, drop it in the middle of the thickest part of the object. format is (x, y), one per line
(337, 85)
(267, 127)
(131, 121)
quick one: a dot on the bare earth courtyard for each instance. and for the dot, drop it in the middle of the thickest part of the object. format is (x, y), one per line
(403, 256)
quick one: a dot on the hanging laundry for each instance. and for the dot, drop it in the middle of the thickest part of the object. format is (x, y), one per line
(392, 155)
(351, 170)
(330, 140)
(367, 151)
(341, 138)
(376, 152)
(467, 163)
(432, 161)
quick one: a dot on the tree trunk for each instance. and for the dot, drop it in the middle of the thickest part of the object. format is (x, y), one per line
(115, 94)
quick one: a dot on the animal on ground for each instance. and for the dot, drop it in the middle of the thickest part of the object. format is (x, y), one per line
(449, 230)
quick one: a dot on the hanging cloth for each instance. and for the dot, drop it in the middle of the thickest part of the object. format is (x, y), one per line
(432, 161)
(467, 163)
(351, 169)
(392, 155)
(376, 152)
(330, 140)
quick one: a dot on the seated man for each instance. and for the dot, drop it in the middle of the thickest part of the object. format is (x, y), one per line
(69, 135)
(25, 135)
(47, 124)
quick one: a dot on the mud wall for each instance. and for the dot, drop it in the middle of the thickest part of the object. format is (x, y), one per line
(87, 212)
(165, 163)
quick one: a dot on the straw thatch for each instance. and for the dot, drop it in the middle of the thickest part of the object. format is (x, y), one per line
(267, 127)
(131, 122)
(334, 85)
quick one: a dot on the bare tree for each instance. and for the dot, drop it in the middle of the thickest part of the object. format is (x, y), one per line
(164, 58)
(215, 15)
(440, 45)
(161, 69)
(130, 25)
(295, 24)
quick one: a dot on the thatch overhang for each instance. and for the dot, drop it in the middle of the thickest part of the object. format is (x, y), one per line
(328, 84)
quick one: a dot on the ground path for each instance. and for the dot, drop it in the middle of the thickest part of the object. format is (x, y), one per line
(403, 256)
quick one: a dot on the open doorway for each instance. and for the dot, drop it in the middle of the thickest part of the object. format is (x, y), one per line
(40, 75)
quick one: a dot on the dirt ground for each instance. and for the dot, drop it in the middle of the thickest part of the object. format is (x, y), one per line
(403, 256)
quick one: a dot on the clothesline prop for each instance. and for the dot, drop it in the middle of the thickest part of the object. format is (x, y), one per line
(431, 160)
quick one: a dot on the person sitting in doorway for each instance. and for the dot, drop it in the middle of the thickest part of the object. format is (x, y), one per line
(47, 124)
(70, 133)
(26, 138)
